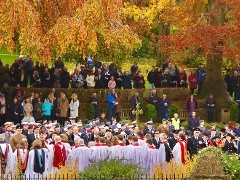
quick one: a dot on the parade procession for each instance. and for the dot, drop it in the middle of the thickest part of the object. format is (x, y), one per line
(40, 149)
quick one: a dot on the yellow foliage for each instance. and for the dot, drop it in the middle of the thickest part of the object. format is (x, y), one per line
(172, 169)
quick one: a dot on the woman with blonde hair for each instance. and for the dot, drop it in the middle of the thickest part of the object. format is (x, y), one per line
(37, 162)
(74, 105)
(63, 106)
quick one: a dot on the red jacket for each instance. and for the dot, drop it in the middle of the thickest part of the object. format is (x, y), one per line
(59, 157)
(193, 81)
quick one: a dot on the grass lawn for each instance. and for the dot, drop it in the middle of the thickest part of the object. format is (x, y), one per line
(144, 64)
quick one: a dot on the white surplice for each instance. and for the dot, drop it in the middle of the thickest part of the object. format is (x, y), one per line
(29, 173)
(177, 153)
(99, 153)
(10, 158)
(81, 154)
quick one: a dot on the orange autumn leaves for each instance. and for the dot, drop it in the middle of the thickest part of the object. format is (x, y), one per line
(86, 27)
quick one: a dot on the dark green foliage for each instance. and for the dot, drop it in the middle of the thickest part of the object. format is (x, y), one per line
(143, 105)
(234, 112)
(111, 169)
(90, 111)
(174, 108)
(151, 111)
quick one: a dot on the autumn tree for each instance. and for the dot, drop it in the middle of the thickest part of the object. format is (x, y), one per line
(211, 30)
(55, 27)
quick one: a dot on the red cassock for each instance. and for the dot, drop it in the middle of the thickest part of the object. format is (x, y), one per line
(59, 157)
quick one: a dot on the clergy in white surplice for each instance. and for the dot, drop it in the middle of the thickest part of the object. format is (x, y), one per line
(100, 152)
(7, 160)
(37, 162)
(180, 151)
(81, 154)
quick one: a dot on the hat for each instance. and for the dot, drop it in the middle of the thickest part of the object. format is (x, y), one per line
(150, 122)
(223, 130)
(196, 130)
(19, 126)
(24, 123)
(31, 123)
(213, 124)
(108, 130)
(21, 56)
(213, 130)
(8, 123)
(89, 130)
(215, 137)
(175, 131)
(164, 120)
(87, 126)
(205, 134)
(201, 121)
(231, 135)
(156, 132)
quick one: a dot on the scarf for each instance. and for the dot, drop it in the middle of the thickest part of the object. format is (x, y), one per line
(39, 161)
(4, 158)
(182, 152)
(22, 164)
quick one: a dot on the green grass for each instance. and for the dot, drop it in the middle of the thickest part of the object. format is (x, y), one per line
(7, 57)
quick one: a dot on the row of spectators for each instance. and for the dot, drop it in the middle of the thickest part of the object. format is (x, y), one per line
(98, 75)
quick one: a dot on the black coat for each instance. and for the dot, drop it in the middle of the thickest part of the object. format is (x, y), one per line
(229, 147)
(99, 79)
(133, 102)
(30, 139)
(65, 78)
(210, 109)
(172, 142)
(194, 145)
(156, 143)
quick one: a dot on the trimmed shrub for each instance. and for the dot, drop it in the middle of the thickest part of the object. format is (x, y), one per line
(234, 113)
(90, 111)
(174, 108)
(151, 111)
(112, 169)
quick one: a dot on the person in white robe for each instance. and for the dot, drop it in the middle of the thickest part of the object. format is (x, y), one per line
(179, 151)
(7, 166)
(100, 152)
(20, 156)
(74, 105)
(37, 162)
(81, 154)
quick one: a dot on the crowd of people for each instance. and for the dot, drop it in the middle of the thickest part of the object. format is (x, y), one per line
(42, 149)
(99, 75)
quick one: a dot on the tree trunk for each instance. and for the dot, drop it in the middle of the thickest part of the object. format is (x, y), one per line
(164, 30)
(214, 81)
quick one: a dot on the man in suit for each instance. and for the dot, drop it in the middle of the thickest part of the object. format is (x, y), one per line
(154, 100)
(8, 131)
(99, 79)
(210, 107)
(134, 100)
(194, 143)
(32, 137)
(156, 139)
(193, 121)
(173, 141)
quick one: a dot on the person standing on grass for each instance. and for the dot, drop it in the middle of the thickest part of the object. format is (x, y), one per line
(111, 99)
(47, 107)
(193, 81)
(164, 106)
(210, 107)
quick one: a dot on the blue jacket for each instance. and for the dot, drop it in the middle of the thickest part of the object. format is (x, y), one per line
(163, 108)
(46, 108)
(111, 100)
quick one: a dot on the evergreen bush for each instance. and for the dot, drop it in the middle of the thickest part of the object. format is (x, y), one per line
(112, 169)
(234, 113)
(151, 111)
(174, 108)
(90, 111)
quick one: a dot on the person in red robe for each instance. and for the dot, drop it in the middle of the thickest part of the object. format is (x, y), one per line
(59, 156)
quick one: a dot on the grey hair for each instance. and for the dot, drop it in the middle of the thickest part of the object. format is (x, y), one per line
(57, 138)
(77, 139)
(163, 136)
